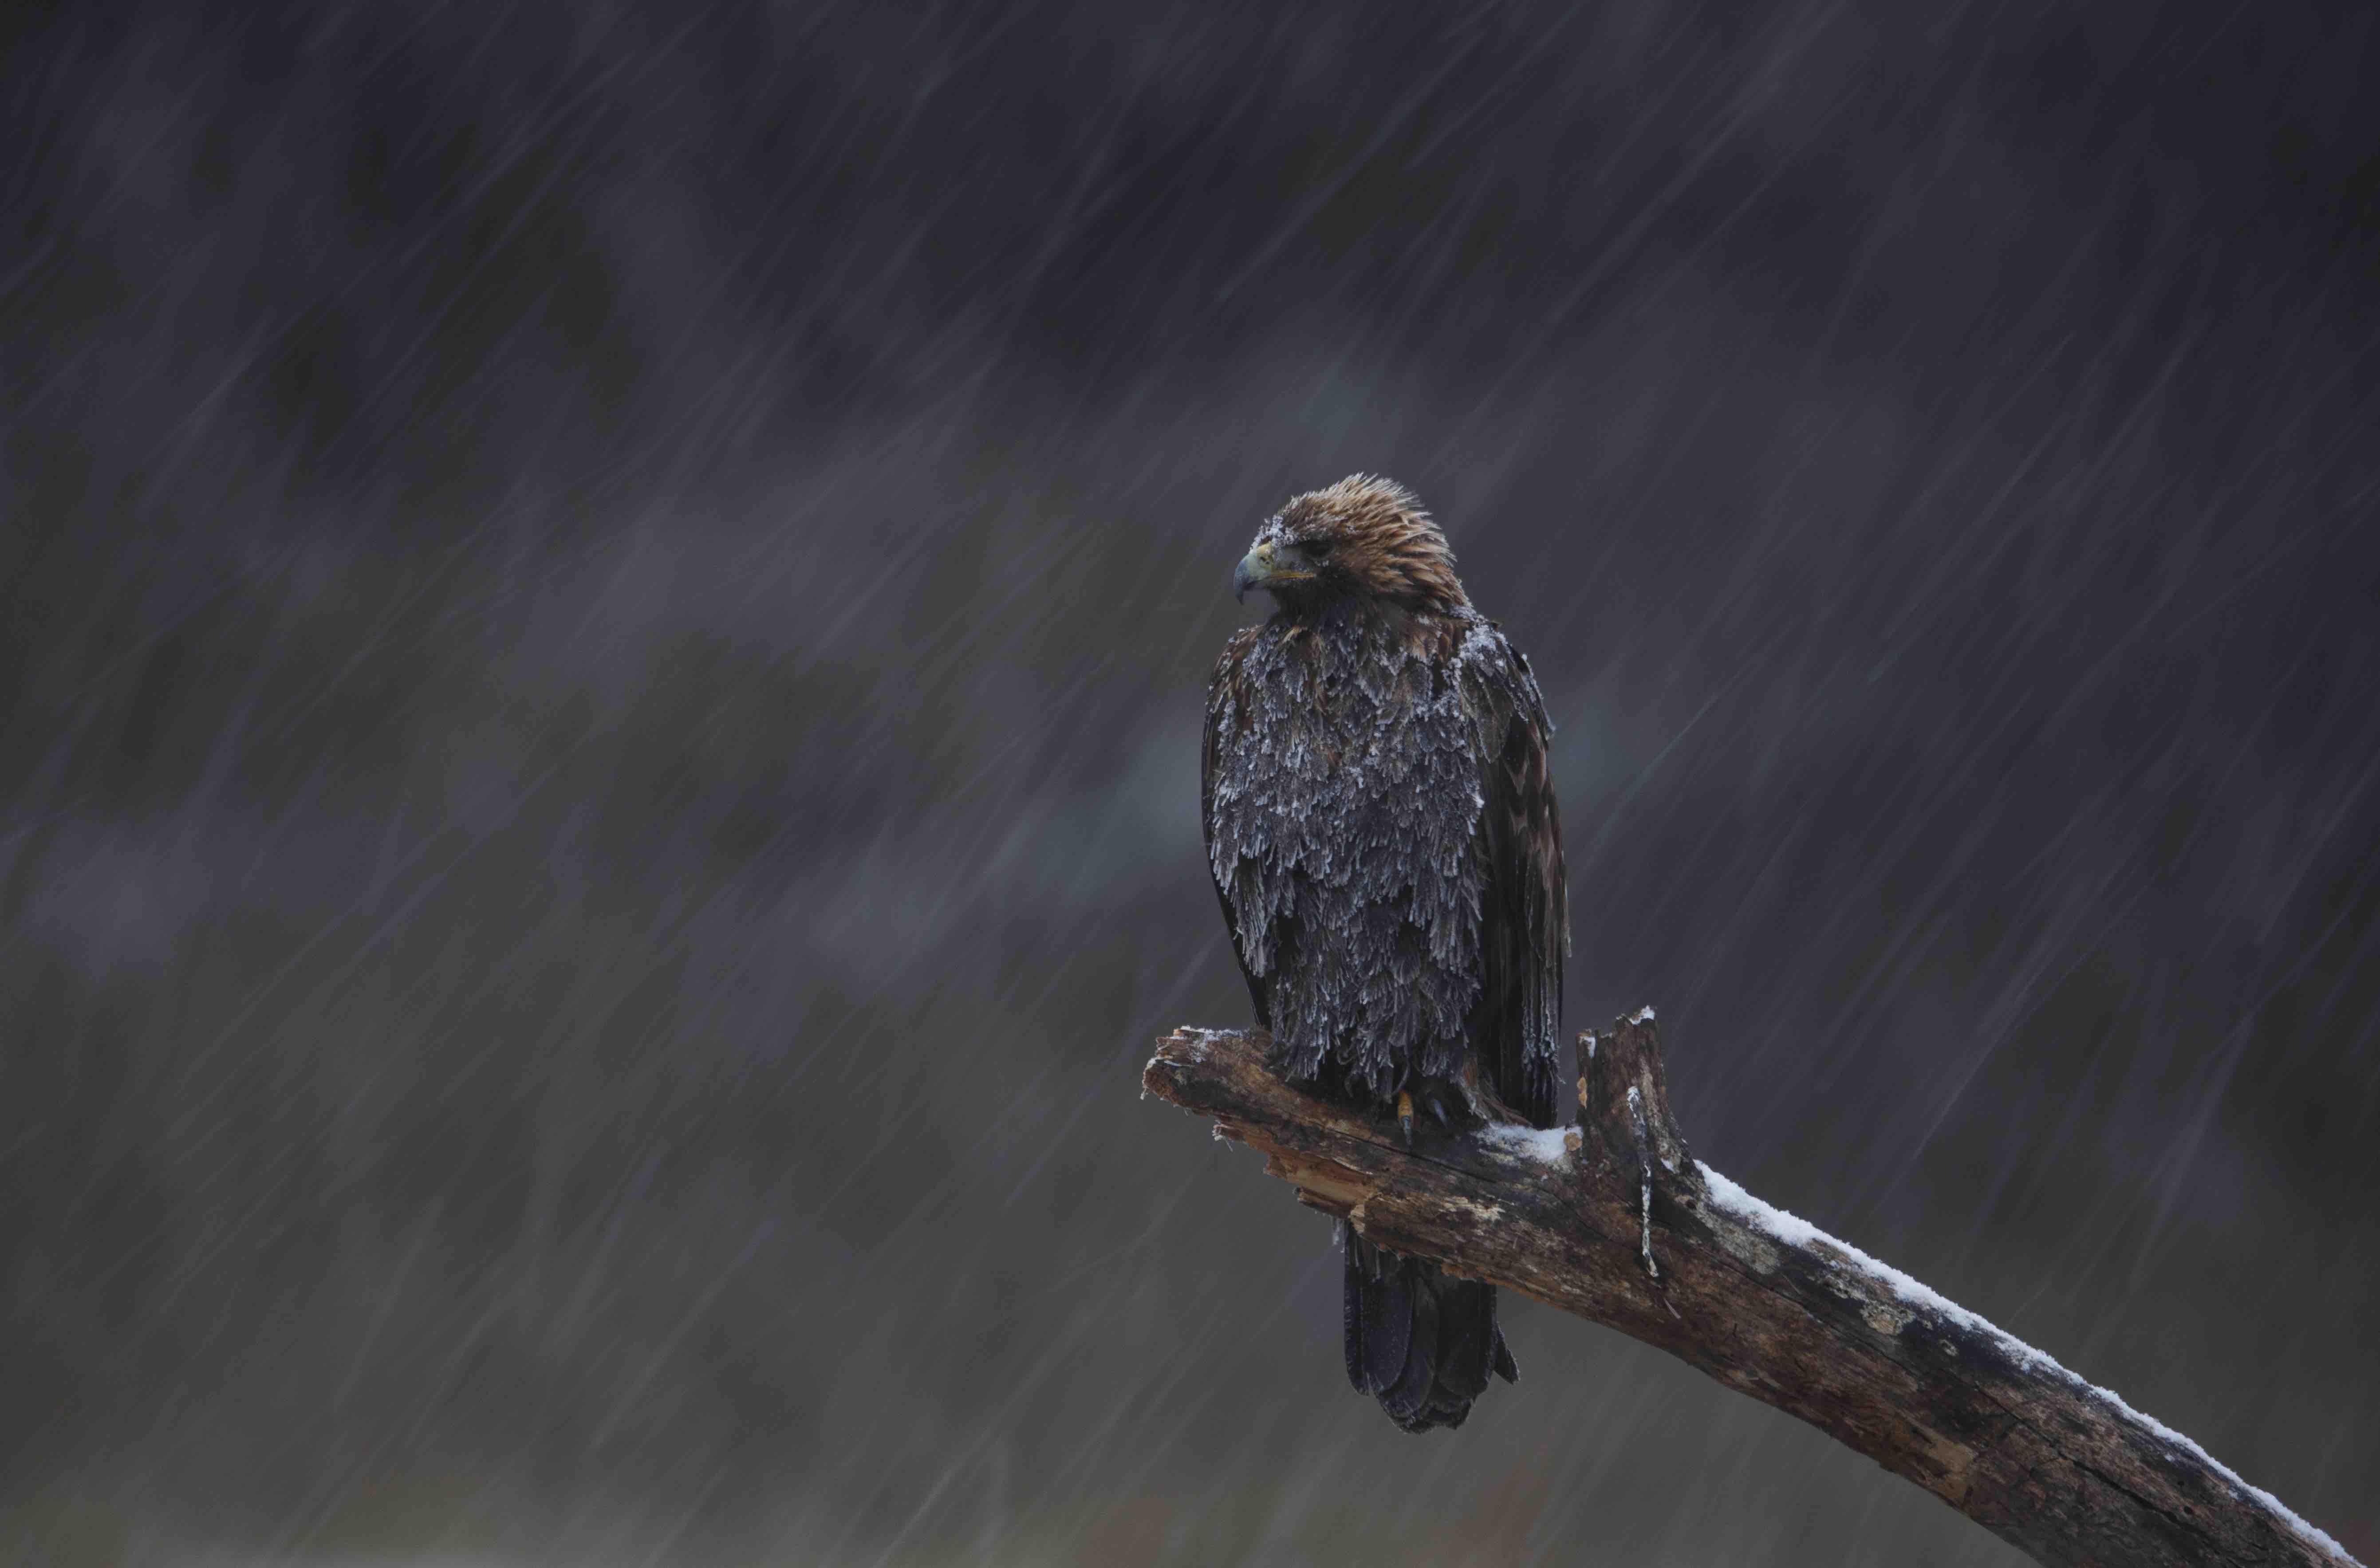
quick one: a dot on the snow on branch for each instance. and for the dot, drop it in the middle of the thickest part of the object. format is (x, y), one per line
(1613, 1219)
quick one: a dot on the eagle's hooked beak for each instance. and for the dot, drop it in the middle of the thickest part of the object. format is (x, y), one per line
(1268, 565)
(1253, 568)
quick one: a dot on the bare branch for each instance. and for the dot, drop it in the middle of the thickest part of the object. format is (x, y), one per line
(1613, 1219)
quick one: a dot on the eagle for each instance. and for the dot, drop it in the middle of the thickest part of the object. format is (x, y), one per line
(1382, 827)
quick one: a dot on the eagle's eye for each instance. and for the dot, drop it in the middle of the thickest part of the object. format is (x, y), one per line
(1316, 549)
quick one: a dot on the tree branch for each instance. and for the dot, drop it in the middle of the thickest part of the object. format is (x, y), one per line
(1613, 1219)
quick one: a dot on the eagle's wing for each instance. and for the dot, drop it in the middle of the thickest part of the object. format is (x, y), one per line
(1523, 904)
(1222, 690)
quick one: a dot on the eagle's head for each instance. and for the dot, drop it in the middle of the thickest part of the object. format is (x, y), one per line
(1364, 538)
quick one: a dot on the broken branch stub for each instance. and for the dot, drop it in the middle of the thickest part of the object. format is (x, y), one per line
(1623, 1116)
(1624, 1097)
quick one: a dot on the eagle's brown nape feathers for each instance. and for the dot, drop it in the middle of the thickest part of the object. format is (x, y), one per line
(1381, 829)
(1368, 537)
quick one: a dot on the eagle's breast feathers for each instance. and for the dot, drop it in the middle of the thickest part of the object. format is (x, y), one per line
(1359, 774)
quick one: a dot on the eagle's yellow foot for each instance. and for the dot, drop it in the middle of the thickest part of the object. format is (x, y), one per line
(1404, 1116)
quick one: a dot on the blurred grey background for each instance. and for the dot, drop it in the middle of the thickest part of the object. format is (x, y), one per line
(606, 608)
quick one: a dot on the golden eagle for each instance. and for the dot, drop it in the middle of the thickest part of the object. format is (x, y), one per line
(1381, 828)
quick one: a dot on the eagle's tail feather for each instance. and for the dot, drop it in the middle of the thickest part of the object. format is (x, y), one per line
(1419, 1342)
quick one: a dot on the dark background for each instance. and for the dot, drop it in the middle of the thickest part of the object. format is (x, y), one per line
(605, 613)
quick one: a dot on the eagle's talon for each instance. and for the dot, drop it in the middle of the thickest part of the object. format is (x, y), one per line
(1405, 1116)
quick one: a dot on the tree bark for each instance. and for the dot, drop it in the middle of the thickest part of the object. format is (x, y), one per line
(1613, 1219)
